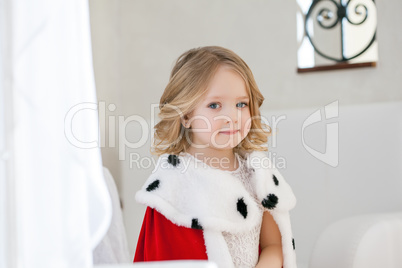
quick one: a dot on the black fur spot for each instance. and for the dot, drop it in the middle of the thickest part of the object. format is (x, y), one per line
(270, 201)
(173, 160)
(293, 243)
(195, 224)
(275, 180)
(242, 207)
(153, 186)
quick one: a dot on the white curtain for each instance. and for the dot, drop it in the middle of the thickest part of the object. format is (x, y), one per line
(62, 206)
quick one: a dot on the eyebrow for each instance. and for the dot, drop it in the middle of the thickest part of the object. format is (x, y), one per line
(218, 97)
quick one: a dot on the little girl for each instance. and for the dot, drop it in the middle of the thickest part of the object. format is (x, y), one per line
(214, 193)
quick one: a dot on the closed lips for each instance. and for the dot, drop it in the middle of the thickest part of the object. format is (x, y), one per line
(230, 131)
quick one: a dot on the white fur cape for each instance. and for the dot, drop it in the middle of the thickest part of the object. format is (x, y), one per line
(192, 194)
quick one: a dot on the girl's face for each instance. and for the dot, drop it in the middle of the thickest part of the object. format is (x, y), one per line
(222, 119)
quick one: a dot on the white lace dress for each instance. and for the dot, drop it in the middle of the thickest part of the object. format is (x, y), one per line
(243, 247)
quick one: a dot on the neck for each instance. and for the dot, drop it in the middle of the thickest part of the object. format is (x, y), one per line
(221, 159)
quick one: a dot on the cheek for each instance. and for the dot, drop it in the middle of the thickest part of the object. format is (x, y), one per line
(202, 122)
(247, 125)
(246, 122)
(199, 124)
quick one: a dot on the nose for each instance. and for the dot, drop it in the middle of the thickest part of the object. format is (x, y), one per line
(233, 115)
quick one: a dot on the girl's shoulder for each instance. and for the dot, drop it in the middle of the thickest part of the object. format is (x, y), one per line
(214, 200)
(210, 198)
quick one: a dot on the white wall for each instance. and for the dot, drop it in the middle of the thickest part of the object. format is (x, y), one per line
(366, 179)
(136, 43)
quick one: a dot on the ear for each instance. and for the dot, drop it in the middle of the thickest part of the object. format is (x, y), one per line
(184, 121)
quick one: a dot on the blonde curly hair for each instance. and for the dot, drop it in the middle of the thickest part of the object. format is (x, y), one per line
(187, 86)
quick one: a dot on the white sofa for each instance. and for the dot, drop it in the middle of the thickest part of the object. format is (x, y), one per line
(113, 248)
(364, 241)
(366, 182)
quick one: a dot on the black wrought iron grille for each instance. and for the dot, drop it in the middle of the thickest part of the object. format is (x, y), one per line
(327, 20)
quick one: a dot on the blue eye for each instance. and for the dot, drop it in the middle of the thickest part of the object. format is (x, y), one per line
(213, 104)
(241, 103)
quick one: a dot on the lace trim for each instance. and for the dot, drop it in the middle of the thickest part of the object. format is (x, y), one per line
(243, 247)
